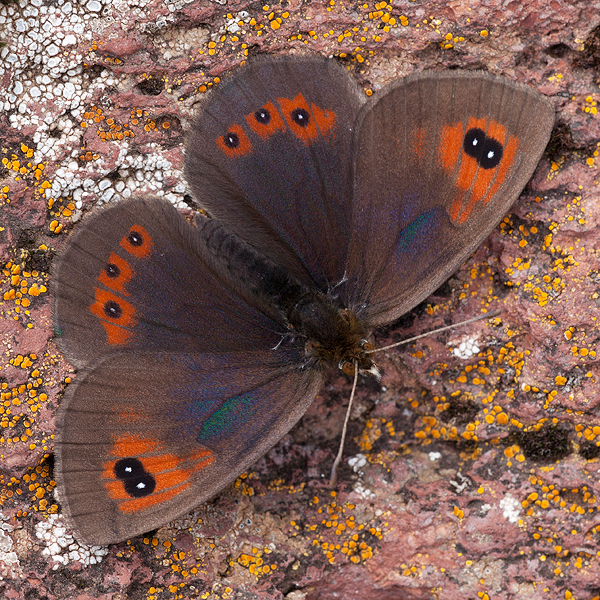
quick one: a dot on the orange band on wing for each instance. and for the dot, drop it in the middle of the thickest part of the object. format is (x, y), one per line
(503, 168)
(451, 146)
(129, 415)
(135, 504)
(115, 335)
(417, 147)
(132, 445)
(325, 118)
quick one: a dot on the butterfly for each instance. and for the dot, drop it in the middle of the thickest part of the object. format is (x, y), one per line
(200, 345)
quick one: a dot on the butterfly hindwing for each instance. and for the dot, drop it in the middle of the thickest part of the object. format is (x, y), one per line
(439, 159)
(145, 437)
(269, 154)
(136, 276)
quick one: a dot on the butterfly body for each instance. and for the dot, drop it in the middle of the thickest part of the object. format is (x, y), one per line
(199, 346)
(329, 333)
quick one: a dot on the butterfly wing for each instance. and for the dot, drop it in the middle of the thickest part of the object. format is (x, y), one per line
(439, 158)
(145, 437)
(137, 276)
(269, 154)
(186, 379)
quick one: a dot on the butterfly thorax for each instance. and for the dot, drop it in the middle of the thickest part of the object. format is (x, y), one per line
(334, 336)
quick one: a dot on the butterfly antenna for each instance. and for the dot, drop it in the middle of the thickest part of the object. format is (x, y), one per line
(338, 458)
(490, 315)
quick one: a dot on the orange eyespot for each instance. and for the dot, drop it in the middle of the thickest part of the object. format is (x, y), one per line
(299, 118)
(116, 274)
(117, 316)
(266, 121)
(235, 142)
(480, 156)
(305, 122)
(137, 242)
(144, 475)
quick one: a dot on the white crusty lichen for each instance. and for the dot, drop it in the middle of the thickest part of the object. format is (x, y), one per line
(466, 348)
(49, 87)
(42, 61)
(62, 548)
(357, 463)
(511, 508)
(10, 567)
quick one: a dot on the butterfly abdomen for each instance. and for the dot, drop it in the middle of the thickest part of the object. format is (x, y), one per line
(256, 273)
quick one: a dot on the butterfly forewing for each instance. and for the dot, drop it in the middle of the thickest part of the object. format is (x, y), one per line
(269, 154)
(439, 159)
(146, 437)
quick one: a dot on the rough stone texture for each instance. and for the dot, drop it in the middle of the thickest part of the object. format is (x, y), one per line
(472, 471)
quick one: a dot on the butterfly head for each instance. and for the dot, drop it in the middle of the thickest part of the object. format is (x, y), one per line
(336, 338)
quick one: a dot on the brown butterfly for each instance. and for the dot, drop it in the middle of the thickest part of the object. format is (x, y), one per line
(200, 346)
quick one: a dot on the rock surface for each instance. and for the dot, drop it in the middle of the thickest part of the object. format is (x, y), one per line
(472, 471)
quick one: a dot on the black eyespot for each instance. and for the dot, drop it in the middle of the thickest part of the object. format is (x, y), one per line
(492, 154)
(135, 238)
(300, 117)
(262, 116)
(231, 140)
(112, 309)
(112, 270)
(136, 480)
(485, 150)
(473, 141)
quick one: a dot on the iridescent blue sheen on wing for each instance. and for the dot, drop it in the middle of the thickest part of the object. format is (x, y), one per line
(416, 237)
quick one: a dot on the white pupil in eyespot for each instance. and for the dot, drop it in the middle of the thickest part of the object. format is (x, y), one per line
(475, 142)
(490, 154)
(140, 486)
(128, 469)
